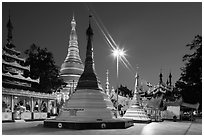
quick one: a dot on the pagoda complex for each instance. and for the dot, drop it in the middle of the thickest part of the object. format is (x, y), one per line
(159, 100)
(18, 90)
(89, 107)
(72, 67)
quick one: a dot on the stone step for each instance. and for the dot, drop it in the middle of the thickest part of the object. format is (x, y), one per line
(20, 121)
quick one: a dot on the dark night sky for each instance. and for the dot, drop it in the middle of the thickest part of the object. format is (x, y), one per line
(154, 34)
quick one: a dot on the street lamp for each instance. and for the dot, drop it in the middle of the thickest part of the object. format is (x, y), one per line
(118, 53)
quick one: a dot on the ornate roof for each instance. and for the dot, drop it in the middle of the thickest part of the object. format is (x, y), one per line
(11, 49)
(19, 76)
(15, 64)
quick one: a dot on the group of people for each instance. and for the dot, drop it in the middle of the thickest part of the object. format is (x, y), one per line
(19, 107)
(27, 108)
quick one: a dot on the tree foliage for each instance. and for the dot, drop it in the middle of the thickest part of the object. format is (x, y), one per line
(190, 82)
(42, 65)
(124, 91)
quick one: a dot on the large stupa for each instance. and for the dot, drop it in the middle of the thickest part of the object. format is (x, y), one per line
(72, 67)
(89, 107)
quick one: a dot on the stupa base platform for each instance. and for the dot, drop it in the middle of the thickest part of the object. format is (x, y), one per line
(142, 121)
(112, 124)
(146, 121)
(138, 114)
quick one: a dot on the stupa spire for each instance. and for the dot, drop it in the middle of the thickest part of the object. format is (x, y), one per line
(88, 79)
(73, 51)
(72, 66)
(167, 82)
(73, 23)
(107, 83)
(160, 77)
(136, 83)
(10, 29)
(170, 76)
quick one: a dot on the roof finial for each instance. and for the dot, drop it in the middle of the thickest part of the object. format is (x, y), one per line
(90, 19)
(170, 76)
(73, 16)
(167, 82)
(89, 31)
(160, 76)
(73, 23)
(10, 28)
(9, 14)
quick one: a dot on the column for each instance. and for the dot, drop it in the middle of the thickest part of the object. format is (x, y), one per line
(32, 104)
(12, 104)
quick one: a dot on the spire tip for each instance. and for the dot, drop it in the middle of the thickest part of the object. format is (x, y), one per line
(73, 16)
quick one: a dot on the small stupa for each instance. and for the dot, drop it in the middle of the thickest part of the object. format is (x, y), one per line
(89, 107)
(135, 111)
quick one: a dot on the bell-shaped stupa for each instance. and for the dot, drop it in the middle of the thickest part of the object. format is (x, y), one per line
(89, 107)
(72, 67)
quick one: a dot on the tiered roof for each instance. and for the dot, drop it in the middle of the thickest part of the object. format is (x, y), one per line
(13, 64)
(27, 93)
(160, 88)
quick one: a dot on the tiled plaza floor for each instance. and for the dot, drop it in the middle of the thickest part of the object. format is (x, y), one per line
(154, 128)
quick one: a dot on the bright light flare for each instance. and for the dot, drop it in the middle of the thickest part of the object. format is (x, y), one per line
(118, 52)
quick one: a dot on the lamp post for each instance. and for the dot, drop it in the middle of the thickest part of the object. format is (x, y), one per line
(118, 53)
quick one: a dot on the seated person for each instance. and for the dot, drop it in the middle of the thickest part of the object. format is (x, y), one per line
(44, 108)
(22, 108)
(27, 106)
(36, 107)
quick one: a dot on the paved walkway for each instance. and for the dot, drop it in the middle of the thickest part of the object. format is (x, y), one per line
(154, 128)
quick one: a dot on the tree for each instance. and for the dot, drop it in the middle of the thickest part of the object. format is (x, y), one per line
(42, 65)
(124, 91)
(190, 82)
